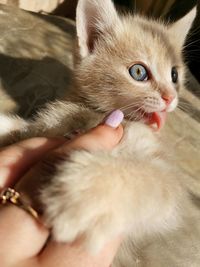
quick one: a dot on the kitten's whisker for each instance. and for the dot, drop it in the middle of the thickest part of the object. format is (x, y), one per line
(133, 106)
(133, 113)
(129, 106)
(191, 43)
(187, 110)
(138, 114)
(183, 108)
(193, 32)
(184, 104)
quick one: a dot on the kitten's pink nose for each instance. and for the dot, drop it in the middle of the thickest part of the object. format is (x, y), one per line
(168, 99)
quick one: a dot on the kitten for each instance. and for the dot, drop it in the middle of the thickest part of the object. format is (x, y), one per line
(129, 63)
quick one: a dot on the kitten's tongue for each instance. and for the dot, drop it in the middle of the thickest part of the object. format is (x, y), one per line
(157, 118)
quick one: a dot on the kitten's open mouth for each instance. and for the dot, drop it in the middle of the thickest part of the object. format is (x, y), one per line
(155, 119)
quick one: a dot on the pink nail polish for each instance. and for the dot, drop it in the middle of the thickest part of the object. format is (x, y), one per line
(114, 119)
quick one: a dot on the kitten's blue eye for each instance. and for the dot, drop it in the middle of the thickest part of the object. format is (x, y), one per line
(139, 73)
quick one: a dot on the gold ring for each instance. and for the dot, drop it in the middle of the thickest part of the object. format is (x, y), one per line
(9, 195)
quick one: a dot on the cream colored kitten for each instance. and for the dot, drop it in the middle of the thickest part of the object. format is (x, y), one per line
(128, 63)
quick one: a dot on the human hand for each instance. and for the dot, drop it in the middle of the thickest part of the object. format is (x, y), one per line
(24, 240)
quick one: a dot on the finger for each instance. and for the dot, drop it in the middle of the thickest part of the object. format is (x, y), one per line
(104, 136)
(75, 255)
(22, 237)
(16, 159)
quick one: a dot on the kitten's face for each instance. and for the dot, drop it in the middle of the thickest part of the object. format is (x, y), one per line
(134, 65)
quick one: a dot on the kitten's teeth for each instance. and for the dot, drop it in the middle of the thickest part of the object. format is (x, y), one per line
(159, 118)
(154, 126)
(156, 120)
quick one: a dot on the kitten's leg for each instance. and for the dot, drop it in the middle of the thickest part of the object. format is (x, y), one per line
(56, 119)
(101, 196)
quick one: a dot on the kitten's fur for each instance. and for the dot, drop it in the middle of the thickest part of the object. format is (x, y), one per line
(131, 190)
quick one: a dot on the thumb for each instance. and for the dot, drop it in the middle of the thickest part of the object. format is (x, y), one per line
(104, 136)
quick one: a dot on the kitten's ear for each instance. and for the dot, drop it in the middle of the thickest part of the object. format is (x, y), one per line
(180, 28)
(93, 18)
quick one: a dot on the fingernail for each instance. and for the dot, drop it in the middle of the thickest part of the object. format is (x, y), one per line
(114, 119)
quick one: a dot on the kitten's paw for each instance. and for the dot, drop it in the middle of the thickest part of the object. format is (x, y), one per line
(84, 201)
(100, 196)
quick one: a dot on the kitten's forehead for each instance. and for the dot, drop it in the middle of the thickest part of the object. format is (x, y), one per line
(157, 33)
(142, 39)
